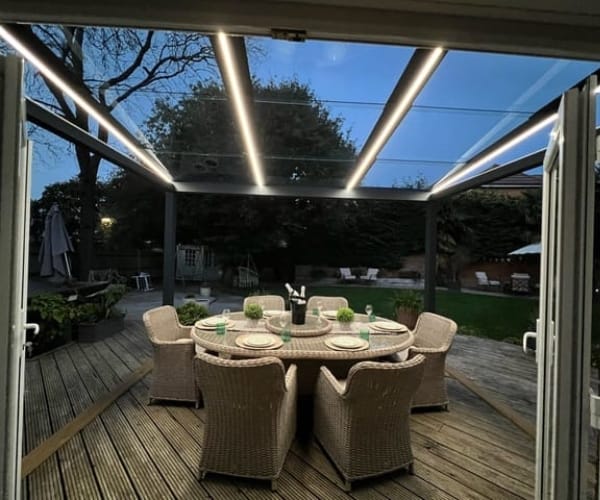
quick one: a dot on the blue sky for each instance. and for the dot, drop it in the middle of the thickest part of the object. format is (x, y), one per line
(471, 100)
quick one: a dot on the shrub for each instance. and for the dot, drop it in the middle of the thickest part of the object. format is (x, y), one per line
(408, 299)
(55, 315)
(101, 305)
(345, 315)
(191, 312)
(253, 311)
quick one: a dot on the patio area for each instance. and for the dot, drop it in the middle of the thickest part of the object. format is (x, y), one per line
(133, 450)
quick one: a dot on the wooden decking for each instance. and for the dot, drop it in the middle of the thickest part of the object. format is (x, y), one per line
(133, 450)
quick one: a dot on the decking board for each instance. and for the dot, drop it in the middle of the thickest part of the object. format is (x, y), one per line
(151, 452)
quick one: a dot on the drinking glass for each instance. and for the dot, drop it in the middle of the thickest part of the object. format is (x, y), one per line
(225, 314)
(221, 328)
(286, 334)
(364, 333)
(369, 311)
(320, 307)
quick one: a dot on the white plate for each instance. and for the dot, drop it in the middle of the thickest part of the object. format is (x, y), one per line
(347, 342)
(213, 325)
(259, 340)
(241, 341)
(212, 321)
(355, 345)
(389, 326)
(267, 313)
(331, 314)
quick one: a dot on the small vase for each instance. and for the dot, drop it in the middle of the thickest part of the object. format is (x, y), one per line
(251, 323)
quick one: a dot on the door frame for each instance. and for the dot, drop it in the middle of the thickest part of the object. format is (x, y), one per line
(564, 339)
(14, 234)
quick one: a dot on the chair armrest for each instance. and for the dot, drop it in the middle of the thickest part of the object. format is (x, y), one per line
(185, 332)
(399, 357)
(333, 382)
(182, 341)
(427, 350)
(291, 377)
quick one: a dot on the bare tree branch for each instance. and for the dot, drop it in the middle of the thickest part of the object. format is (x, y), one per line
(111, 82)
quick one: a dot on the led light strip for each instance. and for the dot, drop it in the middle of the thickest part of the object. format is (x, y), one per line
(157, 169)
(496, 152)
(240, 107)
(399, 112)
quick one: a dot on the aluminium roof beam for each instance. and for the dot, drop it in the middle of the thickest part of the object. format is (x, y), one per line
(22, 38)
(540, 119)
(421, 66)
(232, 59)
(493, 174)
(42, 116)
(303, 191)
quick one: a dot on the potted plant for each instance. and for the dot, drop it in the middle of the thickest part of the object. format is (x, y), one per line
(408, 304)
(204, 289)
(345, 316)
(253, 312)
(189, 298)
(191, 312)
(55, 315)
(98, 317)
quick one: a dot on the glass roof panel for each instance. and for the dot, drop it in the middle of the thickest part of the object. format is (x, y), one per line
(472, 100)
(317, 102)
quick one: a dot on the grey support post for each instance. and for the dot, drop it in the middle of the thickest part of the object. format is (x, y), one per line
(169, 248)
(431, 212)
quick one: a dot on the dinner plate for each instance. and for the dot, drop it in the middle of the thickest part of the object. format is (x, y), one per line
(258, 341)
(346, 343)
(267, 313)
(388, 326)
(213, 321)
(213, 326)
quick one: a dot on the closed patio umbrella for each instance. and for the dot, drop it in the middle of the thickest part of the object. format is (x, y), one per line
(534, 248)
(56, 243)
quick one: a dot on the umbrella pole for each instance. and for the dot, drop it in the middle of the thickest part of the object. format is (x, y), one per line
(67, 265)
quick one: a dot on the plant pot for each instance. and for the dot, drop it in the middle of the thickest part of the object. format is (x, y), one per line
(407, 317)
(92, 332)
(204, 291)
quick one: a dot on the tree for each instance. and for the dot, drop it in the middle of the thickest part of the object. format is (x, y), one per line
(197, 137)
(130, 61)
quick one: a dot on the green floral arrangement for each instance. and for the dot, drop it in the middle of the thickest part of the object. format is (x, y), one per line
(191, 312)
(345, 315)
(253, 311)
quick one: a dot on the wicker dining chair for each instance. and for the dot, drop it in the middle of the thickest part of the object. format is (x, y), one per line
(329, 303)
(250, 416)
(363, 423)
(434, 335)
(174, 351)
(268, 302)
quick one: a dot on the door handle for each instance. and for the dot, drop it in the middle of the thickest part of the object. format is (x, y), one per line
(32, 326)
(526, 337)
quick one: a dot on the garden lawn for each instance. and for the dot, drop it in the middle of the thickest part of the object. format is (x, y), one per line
(499, 318)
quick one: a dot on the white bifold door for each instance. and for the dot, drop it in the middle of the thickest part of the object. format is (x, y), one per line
(14, 233)
(564, 326)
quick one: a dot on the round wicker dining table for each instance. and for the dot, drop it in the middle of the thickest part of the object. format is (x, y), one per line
(308, 353)
(313, 347)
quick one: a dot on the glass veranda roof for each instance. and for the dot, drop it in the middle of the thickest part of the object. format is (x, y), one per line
(314, 104)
